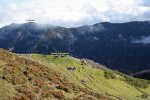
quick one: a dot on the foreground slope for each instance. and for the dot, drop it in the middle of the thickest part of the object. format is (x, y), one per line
(24, 79)
(35, 77)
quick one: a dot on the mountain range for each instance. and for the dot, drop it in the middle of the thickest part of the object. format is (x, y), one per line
(121, 46)
(143, 74)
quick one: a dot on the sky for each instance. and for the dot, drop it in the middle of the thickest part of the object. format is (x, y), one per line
(73, 13)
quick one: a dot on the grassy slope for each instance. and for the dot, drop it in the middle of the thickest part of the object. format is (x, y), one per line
(25, 79)
(92, 78)
(37, 77)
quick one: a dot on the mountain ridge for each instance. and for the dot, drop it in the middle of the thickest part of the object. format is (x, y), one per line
(127, 42)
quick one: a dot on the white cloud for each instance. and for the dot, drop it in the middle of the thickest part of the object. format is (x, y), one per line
(73, 12)
(144, 3)
(143, 40)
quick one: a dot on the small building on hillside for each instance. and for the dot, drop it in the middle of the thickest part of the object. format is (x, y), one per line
(71, 68)
(60, 54)
(83, 62)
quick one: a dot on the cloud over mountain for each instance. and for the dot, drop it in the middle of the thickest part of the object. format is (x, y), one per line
(72, 13)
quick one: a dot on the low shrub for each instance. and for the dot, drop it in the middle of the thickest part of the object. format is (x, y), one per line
(51, 93)
(138, 83)
(63, 88)
(109, 75)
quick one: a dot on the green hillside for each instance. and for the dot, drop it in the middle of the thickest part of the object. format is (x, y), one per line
(117, 87)
(52, 77)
